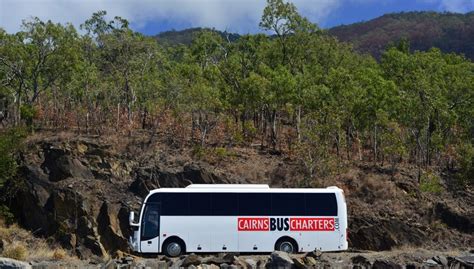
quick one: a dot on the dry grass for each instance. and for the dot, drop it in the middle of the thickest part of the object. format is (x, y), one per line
(22, 245)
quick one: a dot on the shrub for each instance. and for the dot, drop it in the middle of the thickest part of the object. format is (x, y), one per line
(15, 251)
(430, 182)
(9, 145)
(466, 164)
(28, 113)
(59, 254)
(5, 215)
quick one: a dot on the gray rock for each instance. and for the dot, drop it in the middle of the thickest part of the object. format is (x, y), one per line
(229, 257)
(462, 262)
(298, 263)
(310, 261)
(191, 259)
(215, 260)
(280, 259)
(431, 263)
(227, 266)
(315, 254)
(251, 263)
(209, 266)
(441, 260)
(7, 263)
(384, 264)
(360, 261)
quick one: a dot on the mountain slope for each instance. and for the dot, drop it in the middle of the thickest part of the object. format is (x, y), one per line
(186, 36)
(451, 32)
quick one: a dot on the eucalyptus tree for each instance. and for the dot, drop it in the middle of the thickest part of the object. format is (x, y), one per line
(37, 59)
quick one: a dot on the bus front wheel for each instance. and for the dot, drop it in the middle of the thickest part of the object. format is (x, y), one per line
(286, 244)
(173, 247)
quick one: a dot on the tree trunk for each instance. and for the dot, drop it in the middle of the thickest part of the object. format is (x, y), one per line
(118, 117)
(375, 144)
(273, 120)
(298, 123)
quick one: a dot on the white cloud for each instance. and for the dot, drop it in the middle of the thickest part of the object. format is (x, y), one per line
(236, 15)
(457, 5)
(460, 6)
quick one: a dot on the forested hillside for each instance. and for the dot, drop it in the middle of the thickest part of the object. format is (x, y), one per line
(186, 37)
(450, 32)
(301, 92)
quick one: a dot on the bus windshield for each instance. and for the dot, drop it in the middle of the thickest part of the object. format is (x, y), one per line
(151, 222)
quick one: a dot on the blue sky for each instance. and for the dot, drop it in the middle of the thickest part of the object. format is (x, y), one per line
(153, 16)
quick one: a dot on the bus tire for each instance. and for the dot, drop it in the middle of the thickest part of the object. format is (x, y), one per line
(174, 247)
(286, 244)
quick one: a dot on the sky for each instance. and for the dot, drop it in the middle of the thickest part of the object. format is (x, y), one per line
(242, 16)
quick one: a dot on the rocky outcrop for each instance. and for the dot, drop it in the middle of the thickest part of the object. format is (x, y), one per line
(383, 234)
(279, 260)
(149, 178)
(6, 263)
(81, 193)
(453, 218)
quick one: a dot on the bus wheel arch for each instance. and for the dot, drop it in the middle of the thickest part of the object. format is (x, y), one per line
(287, 244)
(173, 246)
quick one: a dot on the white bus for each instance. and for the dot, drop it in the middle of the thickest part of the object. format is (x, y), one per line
(240, 218)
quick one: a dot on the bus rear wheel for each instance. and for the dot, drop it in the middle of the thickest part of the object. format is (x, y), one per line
(286, 244)
(173, 248)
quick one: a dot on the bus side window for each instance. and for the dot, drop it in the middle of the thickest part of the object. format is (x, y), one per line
(175, 204)
(321, 204)
(288, 204)
(200, 204)
(225, 204)
(254, 204)
(151, 222)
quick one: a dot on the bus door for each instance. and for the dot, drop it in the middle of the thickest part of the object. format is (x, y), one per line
(150, 228)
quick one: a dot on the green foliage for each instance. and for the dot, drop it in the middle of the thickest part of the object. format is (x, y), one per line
(430, 182)
(28, 113)
(6, 215)
(297, 86)
(10, 141)
(466, 164)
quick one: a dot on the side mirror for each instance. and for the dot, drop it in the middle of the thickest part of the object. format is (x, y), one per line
(131, 219)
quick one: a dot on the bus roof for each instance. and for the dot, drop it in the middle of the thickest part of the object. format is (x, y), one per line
(228, 186)
(243, 188)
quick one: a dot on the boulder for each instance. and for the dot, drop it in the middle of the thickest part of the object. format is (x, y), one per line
(316, 254)
(440, 259)
(229, 257)
(191, 259)
(360, 261)
(209, 266)
(215, 260)
(59, 165)
(299, 263)
(378, 234)
(462, 262)
(251, 263)
(454, 217)
(280, 259)
(384, 264)
(228, 266)
(152, 177)
(310, 261)
(7, 263)
(108, 227)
